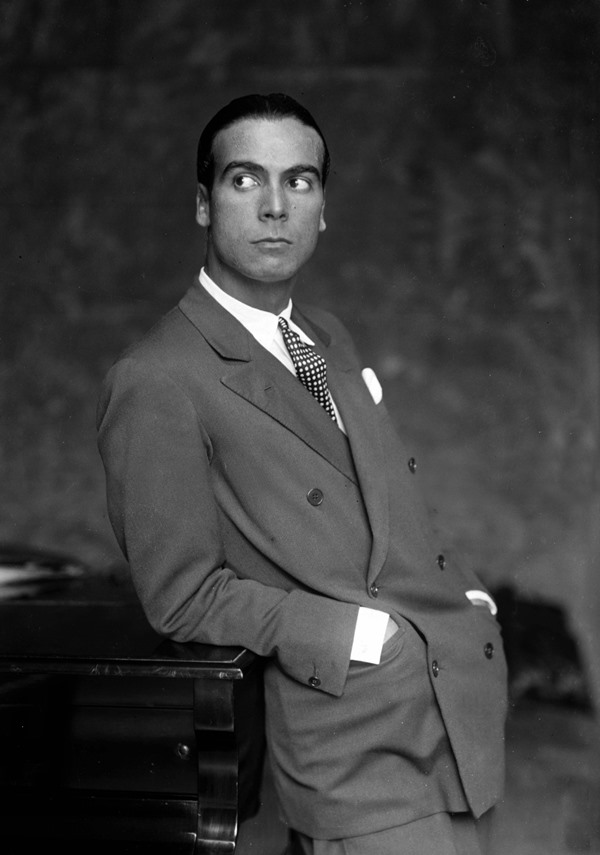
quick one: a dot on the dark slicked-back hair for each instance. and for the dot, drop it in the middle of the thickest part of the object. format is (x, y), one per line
(273, 106)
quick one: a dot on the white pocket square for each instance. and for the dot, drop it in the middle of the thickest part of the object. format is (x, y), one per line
(373, 384)
(481, 598)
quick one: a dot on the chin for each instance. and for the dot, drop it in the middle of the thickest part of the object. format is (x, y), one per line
(274, 274)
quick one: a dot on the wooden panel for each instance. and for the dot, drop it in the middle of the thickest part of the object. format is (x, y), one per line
(111, 748)
(87, 825)
(97, 748)
(110, 735)
(164, 692)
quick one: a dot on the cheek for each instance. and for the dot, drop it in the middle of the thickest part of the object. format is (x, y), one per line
(305, 217)
(227, 211)
(311, 228)
(228, 228)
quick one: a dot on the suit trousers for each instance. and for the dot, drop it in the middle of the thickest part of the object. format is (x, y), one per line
(439, 834)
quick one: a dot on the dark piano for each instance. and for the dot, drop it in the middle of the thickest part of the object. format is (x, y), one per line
(114, 740)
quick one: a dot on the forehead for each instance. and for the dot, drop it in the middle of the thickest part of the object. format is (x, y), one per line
(276, 144)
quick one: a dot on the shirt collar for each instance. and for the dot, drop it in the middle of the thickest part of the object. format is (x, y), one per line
(262, 325)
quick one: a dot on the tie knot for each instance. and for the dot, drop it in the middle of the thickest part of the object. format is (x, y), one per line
(292, 339)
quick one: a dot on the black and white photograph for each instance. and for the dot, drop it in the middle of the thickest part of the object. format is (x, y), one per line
(299, 427)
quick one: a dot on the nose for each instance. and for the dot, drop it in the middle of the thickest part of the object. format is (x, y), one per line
(273, 203)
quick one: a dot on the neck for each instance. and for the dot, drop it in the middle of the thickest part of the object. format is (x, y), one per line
(269, 296)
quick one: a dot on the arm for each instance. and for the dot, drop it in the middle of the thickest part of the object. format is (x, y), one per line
(157, 456)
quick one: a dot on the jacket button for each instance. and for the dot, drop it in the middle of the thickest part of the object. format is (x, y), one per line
(441, 562)
(315, 496)
(435, 668)
(489, 650)
(314, 682)
(412, 465)
(374, 590)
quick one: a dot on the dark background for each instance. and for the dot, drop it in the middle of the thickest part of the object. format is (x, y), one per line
(461, 249)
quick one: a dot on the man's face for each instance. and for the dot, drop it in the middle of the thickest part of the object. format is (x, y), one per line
(265, 209)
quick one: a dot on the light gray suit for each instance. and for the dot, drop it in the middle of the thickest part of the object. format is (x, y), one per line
(248, 518)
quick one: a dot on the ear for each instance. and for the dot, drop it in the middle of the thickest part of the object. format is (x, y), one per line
(322, 223)
(203, 206)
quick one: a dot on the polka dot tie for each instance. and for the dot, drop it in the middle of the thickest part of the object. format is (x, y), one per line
(310, 367)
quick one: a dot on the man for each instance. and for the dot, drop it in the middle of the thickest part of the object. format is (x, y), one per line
(262, 498)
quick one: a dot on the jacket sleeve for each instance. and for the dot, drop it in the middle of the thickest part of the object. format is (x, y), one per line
(156, 454)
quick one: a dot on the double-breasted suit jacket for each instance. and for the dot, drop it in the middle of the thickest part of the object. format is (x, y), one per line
(248, 518)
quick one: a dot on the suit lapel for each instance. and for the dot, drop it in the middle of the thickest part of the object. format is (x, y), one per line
(253, 373)
(267, 384)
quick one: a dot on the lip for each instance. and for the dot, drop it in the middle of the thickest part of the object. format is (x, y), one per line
(274, 241)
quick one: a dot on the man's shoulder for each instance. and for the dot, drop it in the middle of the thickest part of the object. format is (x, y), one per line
(155, 343)
(172, 333)
(168, 352)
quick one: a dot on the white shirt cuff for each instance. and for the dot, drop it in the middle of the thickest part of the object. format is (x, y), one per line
(369, 633)
(480, 598)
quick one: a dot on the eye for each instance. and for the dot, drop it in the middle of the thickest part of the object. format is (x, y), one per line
(244, 182)
(300, 184)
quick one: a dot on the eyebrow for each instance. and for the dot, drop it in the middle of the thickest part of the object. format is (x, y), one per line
(297, 169)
